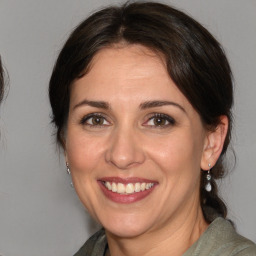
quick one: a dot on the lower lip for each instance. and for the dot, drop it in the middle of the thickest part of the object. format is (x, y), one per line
(125, 198)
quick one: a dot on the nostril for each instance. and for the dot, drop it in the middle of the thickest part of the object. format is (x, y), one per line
(125, 159)
(125, 149)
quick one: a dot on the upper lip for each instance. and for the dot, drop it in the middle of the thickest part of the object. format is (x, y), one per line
(126, 180)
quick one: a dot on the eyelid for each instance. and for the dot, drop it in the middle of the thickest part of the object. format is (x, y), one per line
(168, 118)
(171, 121)
(91, 115)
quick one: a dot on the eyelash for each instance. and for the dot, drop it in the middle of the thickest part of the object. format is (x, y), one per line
(162, 117)
(84, 120)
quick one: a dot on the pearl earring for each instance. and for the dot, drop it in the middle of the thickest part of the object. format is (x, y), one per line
(68, 169)
(69, 172)
(208, 186)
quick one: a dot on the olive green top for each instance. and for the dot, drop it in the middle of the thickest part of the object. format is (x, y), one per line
(219, 239)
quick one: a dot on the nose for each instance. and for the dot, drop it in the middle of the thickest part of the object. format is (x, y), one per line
(125, 149)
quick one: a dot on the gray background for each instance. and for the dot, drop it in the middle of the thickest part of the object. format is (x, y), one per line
(40, 215)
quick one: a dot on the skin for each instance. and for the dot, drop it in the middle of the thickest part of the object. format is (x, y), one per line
(128, 143)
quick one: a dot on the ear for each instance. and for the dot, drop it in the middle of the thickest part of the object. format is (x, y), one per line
(214, 142)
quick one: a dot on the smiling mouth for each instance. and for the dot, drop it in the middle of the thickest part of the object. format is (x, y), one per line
(129, 188)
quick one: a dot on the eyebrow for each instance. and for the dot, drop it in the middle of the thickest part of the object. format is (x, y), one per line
(144, 105)
(95, 104)
(159, 103)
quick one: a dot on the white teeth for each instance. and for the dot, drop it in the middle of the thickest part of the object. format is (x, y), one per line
(142, 186)
(137, 187)
(108, 185)
(120, 188)
(129, 188)
(114, 187)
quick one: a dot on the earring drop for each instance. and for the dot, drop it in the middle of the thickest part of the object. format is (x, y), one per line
(68, 169)
(208, 186)
(69, 172)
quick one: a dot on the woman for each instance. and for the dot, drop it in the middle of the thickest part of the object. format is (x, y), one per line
(141, 97)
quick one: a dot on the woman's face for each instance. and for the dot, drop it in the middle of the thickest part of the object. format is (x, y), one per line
(134, 143)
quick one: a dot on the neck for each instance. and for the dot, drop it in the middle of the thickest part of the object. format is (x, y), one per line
(172, 239)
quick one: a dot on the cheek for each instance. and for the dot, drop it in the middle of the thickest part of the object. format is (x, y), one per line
(82, 152)
(177, 155)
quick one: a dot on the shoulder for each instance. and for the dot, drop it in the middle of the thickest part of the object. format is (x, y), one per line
(221, 239)
(248, 251)
(94, 246)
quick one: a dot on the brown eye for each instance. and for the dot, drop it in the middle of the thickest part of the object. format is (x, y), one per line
(97, 120)
(159, 121)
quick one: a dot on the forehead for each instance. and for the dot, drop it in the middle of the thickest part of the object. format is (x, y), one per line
(127, 73)
(132, 62)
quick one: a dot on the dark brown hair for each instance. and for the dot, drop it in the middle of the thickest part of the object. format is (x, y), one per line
(195, 61)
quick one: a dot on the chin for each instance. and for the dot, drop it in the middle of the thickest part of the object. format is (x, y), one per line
(125, 232)
(125, 227)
